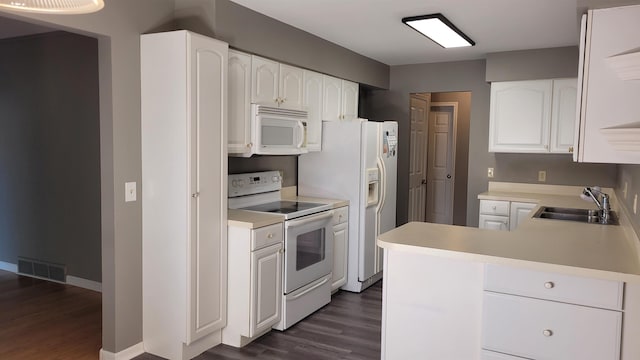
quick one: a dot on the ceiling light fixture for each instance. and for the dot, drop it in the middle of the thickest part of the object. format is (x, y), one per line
(439, 29)
(53, 6)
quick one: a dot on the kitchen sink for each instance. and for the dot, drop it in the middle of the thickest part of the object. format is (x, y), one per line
(580, 215)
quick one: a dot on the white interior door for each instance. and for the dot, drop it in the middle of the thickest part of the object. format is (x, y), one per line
(440, 162)
(417, 157)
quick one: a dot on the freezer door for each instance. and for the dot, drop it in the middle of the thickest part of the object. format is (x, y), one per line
(367, 245)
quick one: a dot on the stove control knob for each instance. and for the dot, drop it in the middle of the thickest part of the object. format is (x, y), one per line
(239, 183)
(234, 183)
(275, 179)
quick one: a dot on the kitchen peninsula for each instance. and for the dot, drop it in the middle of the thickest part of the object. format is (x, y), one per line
(550, 289)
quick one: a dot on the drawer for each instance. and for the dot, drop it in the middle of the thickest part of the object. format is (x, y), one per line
(494, 207)
(492, 355)
(540, 329)
(266, 236)
(340, 215)
(551, 286)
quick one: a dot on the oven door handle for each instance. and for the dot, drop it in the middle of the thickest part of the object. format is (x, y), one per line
(308, 219)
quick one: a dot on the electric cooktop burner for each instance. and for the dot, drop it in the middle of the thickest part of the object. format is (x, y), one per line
(283, 207)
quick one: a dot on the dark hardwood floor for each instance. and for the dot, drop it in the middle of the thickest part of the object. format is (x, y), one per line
(45, 320)
(347, 328)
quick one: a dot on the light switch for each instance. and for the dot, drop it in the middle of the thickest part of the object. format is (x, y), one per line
(542, 176)
(129, 191)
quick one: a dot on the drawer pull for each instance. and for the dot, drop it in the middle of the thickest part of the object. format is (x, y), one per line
(549, 285)
(547, 332)
(270, 236)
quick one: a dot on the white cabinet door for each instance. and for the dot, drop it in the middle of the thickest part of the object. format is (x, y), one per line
(239, 102)
(208, 165)
(339, 274)
(266, 288)
(291, 87)
(349, 100)
(563, 115)
(313, 96)
(493, 222)
(332, 105)
(520, 115)
(265, 81)
(519, 212)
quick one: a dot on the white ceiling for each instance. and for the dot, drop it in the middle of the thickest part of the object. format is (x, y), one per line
(374, 29)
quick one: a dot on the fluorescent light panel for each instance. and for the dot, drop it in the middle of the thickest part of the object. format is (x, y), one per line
(437, 28)
(53, 6)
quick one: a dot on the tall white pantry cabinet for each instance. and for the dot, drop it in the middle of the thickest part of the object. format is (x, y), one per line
(184, 204)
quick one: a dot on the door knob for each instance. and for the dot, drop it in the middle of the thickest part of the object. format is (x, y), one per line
(448, 176)
(424, 181)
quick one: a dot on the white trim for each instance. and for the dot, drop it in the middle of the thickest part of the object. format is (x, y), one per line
(126, 354)
(6, 266)
(84, 283)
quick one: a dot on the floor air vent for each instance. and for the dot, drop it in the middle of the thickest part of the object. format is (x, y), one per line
(42, 269)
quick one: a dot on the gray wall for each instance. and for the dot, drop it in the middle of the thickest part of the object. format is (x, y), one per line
(462, 151)
(288, 165)
(533, 64)
(50, 152)
(631, 175)
(118, 27)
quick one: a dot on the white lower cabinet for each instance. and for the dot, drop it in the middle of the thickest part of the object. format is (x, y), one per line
(255, 283)
(341, 242)
(518, 212)
(494, 222)
(552, 322)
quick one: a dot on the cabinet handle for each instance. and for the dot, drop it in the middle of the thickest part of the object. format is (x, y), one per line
(493, 207)
(195, 195)
(549, 285)
(283, 100)
(270, 236)
(547, 332)
(571, 149)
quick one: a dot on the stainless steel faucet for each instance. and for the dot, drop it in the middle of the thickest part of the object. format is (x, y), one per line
(603, 205)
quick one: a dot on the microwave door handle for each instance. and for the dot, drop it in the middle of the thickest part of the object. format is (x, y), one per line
(300, 128)
(308, 219)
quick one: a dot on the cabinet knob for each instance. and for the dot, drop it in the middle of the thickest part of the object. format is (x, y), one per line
(549, 285)
(283, 100)
(250, 145)
(270, 236)
(195, 195)
(571, 149)
(493, 207)
(547, 332)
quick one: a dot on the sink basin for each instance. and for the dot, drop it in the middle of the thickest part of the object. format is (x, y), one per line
(579, 215)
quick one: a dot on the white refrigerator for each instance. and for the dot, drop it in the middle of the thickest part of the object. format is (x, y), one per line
(358, 162)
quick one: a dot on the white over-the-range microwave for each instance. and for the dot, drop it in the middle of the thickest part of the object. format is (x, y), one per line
(277, 131)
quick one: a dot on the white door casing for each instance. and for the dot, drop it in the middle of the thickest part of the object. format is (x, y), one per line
(441, 161)
(417, 156)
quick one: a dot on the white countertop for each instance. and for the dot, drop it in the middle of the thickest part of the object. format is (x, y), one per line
(253, 219)
(603, 251)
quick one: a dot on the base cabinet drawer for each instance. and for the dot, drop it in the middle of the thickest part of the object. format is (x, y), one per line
(547, 330)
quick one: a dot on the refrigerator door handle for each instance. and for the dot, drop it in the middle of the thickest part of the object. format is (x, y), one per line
(382, 184)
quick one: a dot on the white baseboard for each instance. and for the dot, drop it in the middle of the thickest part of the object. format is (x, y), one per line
(126, 354)
(84, 283)
(8, 267)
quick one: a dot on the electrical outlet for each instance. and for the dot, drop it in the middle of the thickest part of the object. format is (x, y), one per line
(490, 172)
(635, 204)
(542, 176)
(129, 191)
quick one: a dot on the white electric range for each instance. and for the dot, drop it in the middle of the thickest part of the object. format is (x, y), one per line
(308, 241)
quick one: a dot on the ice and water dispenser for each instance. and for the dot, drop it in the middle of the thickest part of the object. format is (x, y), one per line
(373, 181)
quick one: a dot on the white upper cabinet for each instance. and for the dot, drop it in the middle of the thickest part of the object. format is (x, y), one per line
(520, 115)
(608, 122)
(340, 99)
(563, 115)
(535, 116)
(239, 102)
(276, 84)
(313, 99)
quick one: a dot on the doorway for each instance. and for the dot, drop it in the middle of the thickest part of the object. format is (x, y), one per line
(439, 150)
